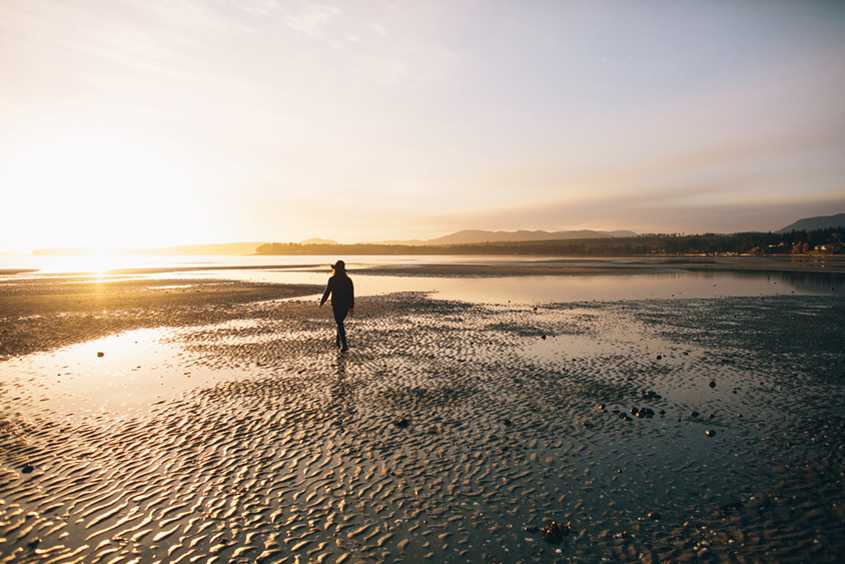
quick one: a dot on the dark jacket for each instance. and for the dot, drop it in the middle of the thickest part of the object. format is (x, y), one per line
(342, 291)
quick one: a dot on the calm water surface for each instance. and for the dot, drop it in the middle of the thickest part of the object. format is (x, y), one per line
(661, 284)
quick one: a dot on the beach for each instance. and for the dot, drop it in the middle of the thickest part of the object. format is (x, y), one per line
(172, 420)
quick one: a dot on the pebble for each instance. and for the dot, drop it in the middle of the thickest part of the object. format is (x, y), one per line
(27, 468)
(554, 531)
(710, 433)
(100, 354)
(402, 423)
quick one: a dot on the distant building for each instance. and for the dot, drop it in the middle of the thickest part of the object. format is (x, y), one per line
(829, 249)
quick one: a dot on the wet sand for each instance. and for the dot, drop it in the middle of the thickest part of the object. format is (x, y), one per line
(41, 314)
(688, 430)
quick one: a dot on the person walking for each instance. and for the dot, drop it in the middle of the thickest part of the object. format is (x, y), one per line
(343, 300)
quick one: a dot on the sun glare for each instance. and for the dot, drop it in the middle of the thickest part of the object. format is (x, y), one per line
(100, 192)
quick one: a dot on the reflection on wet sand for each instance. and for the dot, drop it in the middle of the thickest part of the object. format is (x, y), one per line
(341, 395)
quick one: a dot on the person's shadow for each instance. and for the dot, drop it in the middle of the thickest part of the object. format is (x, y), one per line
(341, 401)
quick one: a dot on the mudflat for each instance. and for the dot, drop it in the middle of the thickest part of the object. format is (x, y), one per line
(220, 422)
(43, 313)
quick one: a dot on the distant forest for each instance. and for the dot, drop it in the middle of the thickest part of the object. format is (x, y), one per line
(825, 241)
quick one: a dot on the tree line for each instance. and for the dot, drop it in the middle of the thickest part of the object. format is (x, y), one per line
(646, 244)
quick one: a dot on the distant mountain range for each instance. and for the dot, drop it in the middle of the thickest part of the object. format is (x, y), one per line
(464, 237)
(475, 236)
(811, 223)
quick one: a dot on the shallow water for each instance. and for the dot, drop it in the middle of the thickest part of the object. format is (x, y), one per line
(662, 283)
(451, 432)
(564, 288)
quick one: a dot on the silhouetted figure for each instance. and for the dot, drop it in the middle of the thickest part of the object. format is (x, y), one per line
(343, 300)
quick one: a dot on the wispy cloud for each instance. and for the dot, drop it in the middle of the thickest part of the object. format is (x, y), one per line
(313, 19)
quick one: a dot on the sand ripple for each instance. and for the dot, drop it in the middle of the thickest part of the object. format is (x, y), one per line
(450, 432)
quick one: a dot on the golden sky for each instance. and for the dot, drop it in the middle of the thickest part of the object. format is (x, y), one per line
(155, 122)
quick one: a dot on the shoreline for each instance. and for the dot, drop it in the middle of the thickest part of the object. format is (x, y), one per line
(482, 265)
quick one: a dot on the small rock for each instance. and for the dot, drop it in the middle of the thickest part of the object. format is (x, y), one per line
(646, 413)
(543, 337)
(712, 383)
(402, 423)
(33, 543)
(660, 357)
(100, 354)
(694, 414)
(554, 531)
(653, 515)
(507, 422)
(27, 468)
(710, 433)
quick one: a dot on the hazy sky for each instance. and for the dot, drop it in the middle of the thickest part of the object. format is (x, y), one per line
(150, 122)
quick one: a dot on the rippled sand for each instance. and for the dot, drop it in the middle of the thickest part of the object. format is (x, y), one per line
(450, 431)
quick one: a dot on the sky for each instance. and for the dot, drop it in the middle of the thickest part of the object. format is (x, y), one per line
(127, 123)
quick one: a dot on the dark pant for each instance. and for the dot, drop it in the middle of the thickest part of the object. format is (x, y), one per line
(339, 316)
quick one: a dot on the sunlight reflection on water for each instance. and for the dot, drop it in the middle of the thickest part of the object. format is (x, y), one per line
(137, 369)
(560, 288)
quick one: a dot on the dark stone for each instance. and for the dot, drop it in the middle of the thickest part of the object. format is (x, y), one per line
(710, 433)
(660, 357)
(27, 468)
(507, 422)
(402, 423)
(101, 354)
(554, 531)
(712, 383)
(694, 414)
(646, 413)
(33, 544)
(729, 508)
(543, 337)
(623, 415)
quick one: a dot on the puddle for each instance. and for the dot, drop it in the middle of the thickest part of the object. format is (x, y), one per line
(138, 369)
